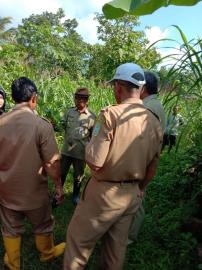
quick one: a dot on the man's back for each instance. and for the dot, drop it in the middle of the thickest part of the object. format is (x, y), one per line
(152, 103)
(134, 137)
(26, 143)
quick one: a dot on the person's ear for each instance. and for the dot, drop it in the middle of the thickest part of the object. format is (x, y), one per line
(33, 101)
(118, 87)
(142, 91)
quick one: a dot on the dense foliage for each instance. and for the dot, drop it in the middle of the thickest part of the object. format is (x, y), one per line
(121, 43)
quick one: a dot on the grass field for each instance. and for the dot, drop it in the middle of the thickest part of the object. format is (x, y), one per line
(161, 244)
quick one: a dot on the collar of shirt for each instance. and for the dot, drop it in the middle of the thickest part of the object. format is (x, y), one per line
(85, 111)
(132, 101)
(148, 98)
(22, 106)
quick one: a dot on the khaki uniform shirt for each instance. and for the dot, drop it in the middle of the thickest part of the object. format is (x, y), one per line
(126, 139)
(27, 142)
(78, 130)
(153, 103)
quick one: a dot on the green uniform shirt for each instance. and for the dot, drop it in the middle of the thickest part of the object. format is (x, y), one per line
(153, 104)
(78, 129)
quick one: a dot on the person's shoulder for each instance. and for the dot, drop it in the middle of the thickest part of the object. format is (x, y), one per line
(43, 122)
(155, 106)
(154, 101)
(110, 113)
(110, 108)
(70, 110)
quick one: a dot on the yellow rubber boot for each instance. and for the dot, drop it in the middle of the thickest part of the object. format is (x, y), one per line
(45, 245)
(12, 255)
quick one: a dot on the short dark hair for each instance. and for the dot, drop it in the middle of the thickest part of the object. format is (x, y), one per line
(128, 85)
(23, 89)
(152, 82)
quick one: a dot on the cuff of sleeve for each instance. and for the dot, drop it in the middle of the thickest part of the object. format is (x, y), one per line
(54, 158)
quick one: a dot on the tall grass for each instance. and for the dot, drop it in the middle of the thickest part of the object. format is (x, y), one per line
(182, 83)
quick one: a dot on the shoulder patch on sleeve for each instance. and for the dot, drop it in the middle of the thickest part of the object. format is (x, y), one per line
(99, 122)
(96, 129)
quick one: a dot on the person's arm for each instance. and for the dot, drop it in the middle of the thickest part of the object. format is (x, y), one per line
(151, 170)
(63, 121)
(53, 170)
(92, 124)
(98, 147)
(50, 156)
(150, 173)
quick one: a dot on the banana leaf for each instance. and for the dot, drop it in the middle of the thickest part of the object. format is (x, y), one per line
(119, 8)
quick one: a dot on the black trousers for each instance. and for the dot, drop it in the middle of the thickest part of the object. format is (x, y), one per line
(78, 174)
(169, 140)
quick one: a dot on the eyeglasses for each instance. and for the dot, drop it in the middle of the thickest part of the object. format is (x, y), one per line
(84, 97)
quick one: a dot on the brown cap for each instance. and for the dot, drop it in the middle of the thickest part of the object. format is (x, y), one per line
(82, 92)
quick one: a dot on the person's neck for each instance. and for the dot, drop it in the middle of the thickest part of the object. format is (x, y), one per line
(82, 110)
(135, 96)
(27, 104)
(144, 94)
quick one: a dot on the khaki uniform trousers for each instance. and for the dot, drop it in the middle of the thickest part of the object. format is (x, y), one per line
(12, 221)
(104, 212)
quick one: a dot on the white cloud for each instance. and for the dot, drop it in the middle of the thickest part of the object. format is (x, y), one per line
(155, 33)
(174, 55)
(168, 49)
(82, 10)
(98, 3)
(19, 9)
(88, 29)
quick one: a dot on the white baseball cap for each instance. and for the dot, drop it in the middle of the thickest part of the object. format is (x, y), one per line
(130, 72)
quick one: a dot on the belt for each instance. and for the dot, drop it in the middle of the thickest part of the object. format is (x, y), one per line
(131, 181)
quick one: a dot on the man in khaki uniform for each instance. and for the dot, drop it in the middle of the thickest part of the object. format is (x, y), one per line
(123, 155)
(152, 103)
(28, 152)
(78, 123)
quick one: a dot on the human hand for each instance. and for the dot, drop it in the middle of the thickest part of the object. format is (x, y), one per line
(141, 193)
(59, 195)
